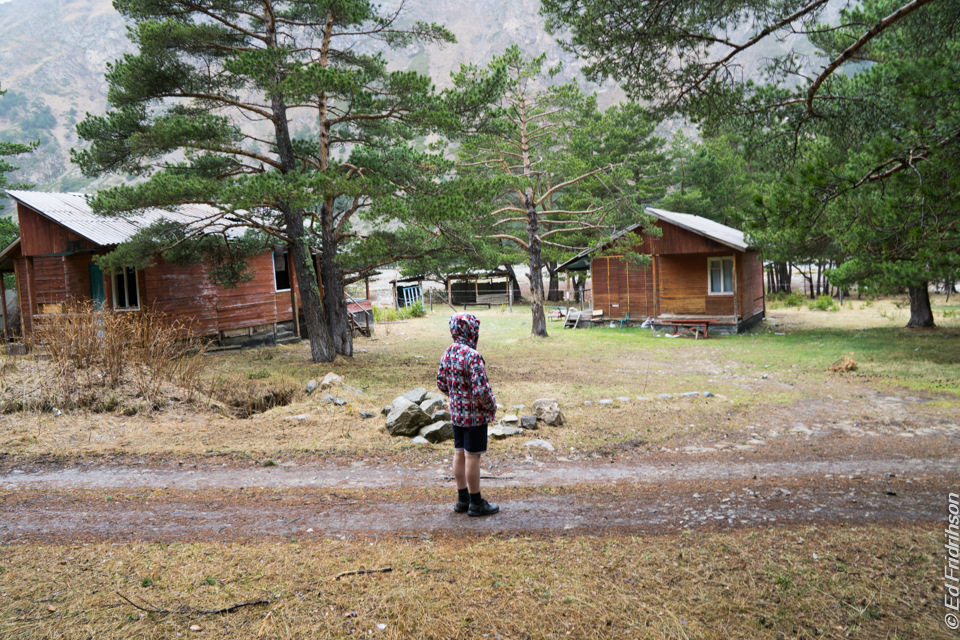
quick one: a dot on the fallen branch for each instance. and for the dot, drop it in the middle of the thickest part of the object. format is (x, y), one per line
(357, 572)
(191, 610)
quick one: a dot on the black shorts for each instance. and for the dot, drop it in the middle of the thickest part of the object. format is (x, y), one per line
(470, 439)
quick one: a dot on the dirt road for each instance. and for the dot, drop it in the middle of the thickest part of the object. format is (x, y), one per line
(200, 501)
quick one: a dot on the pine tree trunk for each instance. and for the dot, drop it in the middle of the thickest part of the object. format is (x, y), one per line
(321, 344)
(921, 315)
(334, 301)
(553, 289)
(538, 325)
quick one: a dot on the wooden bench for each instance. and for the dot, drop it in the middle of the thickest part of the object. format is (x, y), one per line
(475, 304)
(689, 325)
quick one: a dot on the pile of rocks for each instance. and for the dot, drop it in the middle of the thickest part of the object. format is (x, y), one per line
(424, 416)
(546, 410)
(419, 414)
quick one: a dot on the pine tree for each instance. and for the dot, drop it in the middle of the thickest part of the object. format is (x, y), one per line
(282, 113)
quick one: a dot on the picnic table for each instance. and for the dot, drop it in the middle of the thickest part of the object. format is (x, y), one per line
(697, 325)
(556, 313)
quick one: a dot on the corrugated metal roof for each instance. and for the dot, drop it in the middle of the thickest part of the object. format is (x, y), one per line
(73, 212)
(723, 234)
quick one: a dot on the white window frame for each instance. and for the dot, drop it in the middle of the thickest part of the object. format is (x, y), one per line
(126, 291)
(286, 263)
(733, 275)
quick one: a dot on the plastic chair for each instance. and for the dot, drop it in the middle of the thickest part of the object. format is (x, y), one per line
(625, 318)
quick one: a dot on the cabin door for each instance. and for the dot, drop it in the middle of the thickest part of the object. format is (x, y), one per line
(96, 286)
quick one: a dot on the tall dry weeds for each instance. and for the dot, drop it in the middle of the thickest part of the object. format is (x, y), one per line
(88, 353)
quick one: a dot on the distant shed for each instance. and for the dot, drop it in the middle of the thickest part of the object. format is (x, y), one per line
(483, 287)
(700, 270)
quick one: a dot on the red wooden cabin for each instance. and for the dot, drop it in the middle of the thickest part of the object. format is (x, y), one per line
(700, 272)
(52, 260)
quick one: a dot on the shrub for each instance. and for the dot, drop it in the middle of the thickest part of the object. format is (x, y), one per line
(823, 303)
(385, 314)
(783, 299)
(94, 353)
(417, 310)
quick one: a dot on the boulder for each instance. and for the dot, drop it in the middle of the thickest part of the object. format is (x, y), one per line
(442, 414)
(431, 405)
(312, 386)
(331, 380)
(510, 420)
(334, 400)
(499, 432)
(528, 422)
(419, 440)
(405, 418)
(434, 395)
(548, 410)
(416, 395)
(438, 431)
(543, 444)
(386, 410)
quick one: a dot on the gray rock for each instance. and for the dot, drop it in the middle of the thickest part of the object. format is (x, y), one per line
(499, 432)
(405, 418)
(517, 407)
(510, 420)
(541, 405)
(419, 440)
(642, 399)
(366, 415)
(689, 394)
(707, 394)
(312, 386)
(664, 396)
(386, 410)
(302, 416)
(443, 414)
(588, 402)
(623, 398)
(605, 401)
(331, 380)
(431, 405)
(415, 395)
(438, 431)
(434, 395)
(528, 422)
(543, 444)
(548, 410)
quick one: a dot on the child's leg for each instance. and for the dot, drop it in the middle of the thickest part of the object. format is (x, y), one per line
(459, 470)
(472, 472)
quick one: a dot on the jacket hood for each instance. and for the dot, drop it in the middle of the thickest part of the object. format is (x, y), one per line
(465, 329)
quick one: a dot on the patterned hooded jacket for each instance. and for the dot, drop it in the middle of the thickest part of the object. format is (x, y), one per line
(463, 375)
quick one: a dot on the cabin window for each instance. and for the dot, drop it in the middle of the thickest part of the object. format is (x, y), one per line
(126, 297)
(281, 275)
(720, 275)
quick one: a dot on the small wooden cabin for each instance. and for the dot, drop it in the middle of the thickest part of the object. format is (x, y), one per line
(53, 262)
(699, 270)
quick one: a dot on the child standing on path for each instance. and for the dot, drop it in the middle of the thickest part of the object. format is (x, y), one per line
(463, 377)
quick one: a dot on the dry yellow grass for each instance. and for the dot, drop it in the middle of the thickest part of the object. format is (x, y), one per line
(854, 582)
(573, 366)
